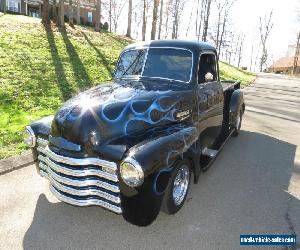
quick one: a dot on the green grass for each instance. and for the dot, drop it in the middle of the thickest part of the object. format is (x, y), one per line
(229, 72)
(40, 69)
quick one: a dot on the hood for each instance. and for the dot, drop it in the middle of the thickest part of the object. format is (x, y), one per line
(112, 110)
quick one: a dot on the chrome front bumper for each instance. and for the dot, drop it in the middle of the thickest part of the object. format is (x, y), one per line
(80, 182)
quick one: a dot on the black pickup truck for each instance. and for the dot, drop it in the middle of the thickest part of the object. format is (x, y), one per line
(134, 145)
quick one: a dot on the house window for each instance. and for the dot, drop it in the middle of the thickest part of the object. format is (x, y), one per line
(33, 12)
(90, 17)
(13, 5)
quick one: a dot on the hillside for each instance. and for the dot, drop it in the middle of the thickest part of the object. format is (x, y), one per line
(41, 69)
(229, 72)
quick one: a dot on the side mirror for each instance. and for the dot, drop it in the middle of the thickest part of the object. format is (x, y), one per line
(209, 77)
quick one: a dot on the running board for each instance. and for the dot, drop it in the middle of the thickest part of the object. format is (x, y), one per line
(205, 168)
(210, 152)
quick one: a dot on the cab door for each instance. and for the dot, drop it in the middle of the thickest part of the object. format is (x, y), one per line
(210, 99)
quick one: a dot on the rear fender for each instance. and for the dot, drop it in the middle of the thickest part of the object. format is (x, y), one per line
(236, 104)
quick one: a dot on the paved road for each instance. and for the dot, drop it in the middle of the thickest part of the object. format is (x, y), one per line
(253, 187)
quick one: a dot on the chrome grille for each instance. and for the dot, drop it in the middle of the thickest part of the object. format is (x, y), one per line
(80, 182)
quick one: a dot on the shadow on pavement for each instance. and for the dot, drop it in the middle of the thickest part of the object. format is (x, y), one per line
(244, 192)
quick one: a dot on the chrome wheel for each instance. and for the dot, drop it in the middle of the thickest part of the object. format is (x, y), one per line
(181, 184)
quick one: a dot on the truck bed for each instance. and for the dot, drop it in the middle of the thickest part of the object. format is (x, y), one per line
(230, 85)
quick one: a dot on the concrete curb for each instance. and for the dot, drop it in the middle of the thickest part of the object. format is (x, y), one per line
(250, 84)
(16, 162)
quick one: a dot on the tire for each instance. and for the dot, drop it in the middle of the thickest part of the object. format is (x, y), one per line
(173, 201)
(238, 124)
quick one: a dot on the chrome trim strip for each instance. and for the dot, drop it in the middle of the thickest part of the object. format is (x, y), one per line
(79, 173)
(42, 142)
(88, 202)
(145, 60)
(62, 186)
(74, 161)
(60, 142)
(72, 191)
(79, 183)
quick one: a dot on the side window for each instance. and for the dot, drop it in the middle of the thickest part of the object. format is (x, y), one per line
(207, 64)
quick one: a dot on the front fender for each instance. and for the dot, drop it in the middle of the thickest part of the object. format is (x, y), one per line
(157, 156)
(42, 127)
(236, 104)
(163, 150)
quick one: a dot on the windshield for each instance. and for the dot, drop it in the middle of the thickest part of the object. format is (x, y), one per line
(174, 64)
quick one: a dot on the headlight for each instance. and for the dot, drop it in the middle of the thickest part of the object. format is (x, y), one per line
(131, 172)
(29, 137)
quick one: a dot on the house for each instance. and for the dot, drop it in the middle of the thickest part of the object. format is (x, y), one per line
(285, 65)
(34, 8)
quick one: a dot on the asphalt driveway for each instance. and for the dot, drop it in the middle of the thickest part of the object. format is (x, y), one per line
(252, 188)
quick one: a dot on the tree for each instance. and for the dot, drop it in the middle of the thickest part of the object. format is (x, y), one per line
(78, 12)
(168, 11)
(61, 14)
(154, 19)
(137, 17)
(175, 19)
(128, 34)
(220, 7)
(98, 16)
(223, 10)
(177, 8)
(297, 54)
(144, 21)
(265, 27)
(190, 21)
(199, 19)
(110, 13)
(297, 50)
(240, 50)
(251, 57)
(54, 12)
(4, 6)
(160, 17)
(117, 7)
(71, 16)
(206, 19)
(46, 18)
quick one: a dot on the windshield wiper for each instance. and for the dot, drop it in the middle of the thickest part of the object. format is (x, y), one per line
(163, 78)
(135, 60)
